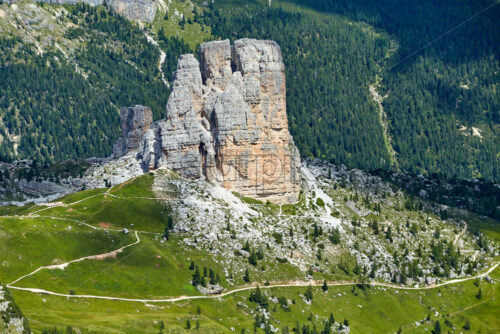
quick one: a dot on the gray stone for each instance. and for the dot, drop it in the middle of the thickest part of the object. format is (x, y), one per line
(135, 122)
(226, 122)
(136, 10)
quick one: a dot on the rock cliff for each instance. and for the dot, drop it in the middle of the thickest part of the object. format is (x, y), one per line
(135, 122)
(136, 10)
(226, 122)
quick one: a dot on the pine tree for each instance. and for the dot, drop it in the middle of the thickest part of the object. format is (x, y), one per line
(327, 329)
(212, 277)
(309, 294)
(334, 236)
(331, 320)
(196, 277)
(246, 247)
(388, 234)
(166, 233)
(325, 286)
(437, 328)
(246, 277)
(252, 259)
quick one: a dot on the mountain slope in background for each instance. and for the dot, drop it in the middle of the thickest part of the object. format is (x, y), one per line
(66, 72)
(358, 92)
(435, 67)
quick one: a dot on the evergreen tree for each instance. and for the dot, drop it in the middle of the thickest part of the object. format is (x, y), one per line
(388, 234)
(252, 259)
(196, 277)
(309, 294)
(331, 320)
(166, 233)
(437, 328)
(246, 277)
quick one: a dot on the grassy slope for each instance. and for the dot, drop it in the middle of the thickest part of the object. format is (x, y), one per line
(192, 33)
(26, 244)
(372, 311)
(154, 269)
(132, 213)
(148, 270)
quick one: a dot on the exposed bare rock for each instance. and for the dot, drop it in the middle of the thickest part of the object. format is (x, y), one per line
(136, 10)
(255, 151)
(135, 122)
(41, 188)
(216, 63)
(11, 317)
(226, 122)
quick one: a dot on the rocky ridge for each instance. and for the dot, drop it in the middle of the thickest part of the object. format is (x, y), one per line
(135, 122)
(322, 232)
(225, 122)
(135, 10)
(11, 317)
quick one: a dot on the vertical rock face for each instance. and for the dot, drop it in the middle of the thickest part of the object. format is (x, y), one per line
(254, 151)
(226, 122)
(135, 122)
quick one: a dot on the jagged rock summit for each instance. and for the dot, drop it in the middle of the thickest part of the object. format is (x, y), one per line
(225, 122)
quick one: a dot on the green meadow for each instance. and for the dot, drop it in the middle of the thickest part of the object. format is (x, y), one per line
(373, 310)
(156, 269)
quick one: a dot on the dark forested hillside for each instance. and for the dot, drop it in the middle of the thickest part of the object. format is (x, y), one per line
(442, 82)
(58, 105)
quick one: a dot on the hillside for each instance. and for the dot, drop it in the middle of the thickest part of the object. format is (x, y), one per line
(419, 101)
(79, 64)
(237, 208)
(385, 93)
(373, 245)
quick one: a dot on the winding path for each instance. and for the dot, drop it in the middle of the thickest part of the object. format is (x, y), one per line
(62, 266)
(163, 55)
(457, 237)
(214, 296)
(253, 286)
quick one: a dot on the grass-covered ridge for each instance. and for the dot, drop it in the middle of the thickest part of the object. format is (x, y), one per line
(211, 230)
